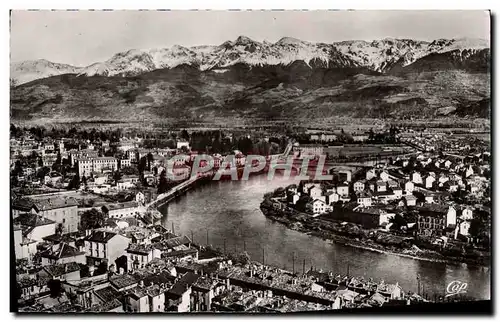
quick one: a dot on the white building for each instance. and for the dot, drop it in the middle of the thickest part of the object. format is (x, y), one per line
(104, 246)
(416, 178)
(315, 192)
(122, 210)
(99, 164)
(409, 187)
(139, 255)
(318, 207)
(359, 186)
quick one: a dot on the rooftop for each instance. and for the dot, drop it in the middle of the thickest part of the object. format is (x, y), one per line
(32, 220)
(55, 202)
(107, 294)
(62, 250)
(183, 284)
(100, 236)
(439, 208)
(173, 242)
(182, 252)
(121, 281)
(139, 249)
(61, 269)
(122, 205)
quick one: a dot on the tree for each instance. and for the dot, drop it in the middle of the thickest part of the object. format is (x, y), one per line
(184, 149)
(74, 183)
(142, 165)
(101, 269)
(244, 258)
(55, 288)
(117, 176)
(150, 159)
(129, 171)
(184, 135)
(92, 219)
(397, 222)
(163, 182)
(371, 135)
(18, 169)
(42, 172)
(58, 159)
(59, 229)
(13, 131)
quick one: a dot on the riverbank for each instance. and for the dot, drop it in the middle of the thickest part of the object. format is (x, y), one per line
(370, 245)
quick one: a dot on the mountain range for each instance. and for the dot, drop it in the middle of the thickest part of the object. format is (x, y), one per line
(291, 77)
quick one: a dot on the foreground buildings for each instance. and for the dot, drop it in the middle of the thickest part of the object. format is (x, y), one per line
(86, 238)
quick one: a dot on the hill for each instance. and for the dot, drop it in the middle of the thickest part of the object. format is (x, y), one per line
(288, 79)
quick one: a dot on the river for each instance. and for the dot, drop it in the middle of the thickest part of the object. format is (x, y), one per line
(229, 211)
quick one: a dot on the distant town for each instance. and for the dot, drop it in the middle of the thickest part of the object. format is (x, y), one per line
(88, 236)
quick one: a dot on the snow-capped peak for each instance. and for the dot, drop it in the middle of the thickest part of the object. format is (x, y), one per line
(243, 41)
(30, 70)
(96, 69)
(445, 45)
(291, 41)
(377, 55)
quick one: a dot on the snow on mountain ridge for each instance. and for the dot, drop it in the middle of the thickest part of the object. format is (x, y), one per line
(377, 55)
(30, 70)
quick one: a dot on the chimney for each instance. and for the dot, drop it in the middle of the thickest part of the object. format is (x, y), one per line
(141, 283)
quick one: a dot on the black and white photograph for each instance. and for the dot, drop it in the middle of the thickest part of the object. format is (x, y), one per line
(250, 161)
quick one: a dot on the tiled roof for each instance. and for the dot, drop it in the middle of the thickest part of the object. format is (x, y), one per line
(61, 251)
(60, 269)
(32, 220)
(177, 241)
(55, 203)
(435, 208)
(58, 238)
(183, 284)
(107, 294)
(121, 281)
(122, 205)
(154, 290)
(183, 252)
(100, 236)
(23, 204)
(137, 292)
(139, 249)
(205, 283)
(156, 278)
(106, 307)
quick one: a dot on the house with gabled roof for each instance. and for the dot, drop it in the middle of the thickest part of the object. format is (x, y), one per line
(62, 253)
(61, 209)
(139, 255)
(35, 227)
(317, 206)
(67, 271)
(178, 297)
(104, 246)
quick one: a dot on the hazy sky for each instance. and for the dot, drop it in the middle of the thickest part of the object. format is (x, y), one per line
(82, 38)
